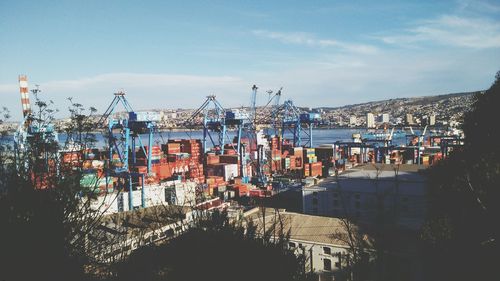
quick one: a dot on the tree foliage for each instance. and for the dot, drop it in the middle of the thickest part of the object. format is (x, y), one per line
(43, 223)
(462, 230)
(216, 250)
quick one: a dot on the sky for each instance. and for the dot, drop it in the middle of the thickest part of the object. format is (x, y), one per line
(172, 54)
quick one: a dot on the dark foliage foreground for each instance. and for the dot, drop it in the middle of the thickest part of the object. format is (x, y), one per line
(224, 253)
(462, 232)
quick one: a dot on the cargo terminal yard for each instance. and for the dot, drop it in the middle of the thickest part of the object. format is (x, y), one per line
(148, 189)
(258, 162)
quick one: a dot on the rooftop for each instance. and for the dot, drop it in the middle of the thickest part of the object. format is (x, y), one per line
(301, 227)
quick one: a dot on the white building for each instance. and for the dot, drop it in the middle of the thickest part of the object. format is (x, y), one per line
(324, 242)
(311, 236)
(409, 119)
(370, 120)
(360, 193)
(384, 118)
(432, 120)
(353, 121)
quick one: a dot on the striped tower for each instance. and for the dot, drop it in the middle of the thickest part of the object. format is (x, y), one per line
(25, 98)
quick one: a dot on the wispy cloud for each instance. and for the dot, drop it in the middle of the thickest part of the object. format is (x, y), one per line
(303, 38)
(144, 91)
(476, 33)
(479, 6)
(134, 80)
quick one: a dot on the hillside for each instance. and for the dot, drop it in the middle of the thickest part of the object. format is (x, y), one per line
(448, 107)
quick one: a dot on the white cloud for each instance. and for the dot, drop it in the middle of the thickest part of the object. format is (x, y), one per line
(144, 91)
(476, 33)
(479, 6)
(302, 38)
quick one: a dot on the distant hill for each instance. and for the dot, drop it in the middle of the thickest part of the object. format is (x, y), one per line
(425, 100)
(446, 108)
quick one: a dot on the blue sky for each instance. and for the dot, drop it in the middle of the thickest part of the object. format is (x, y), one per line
(169, 54)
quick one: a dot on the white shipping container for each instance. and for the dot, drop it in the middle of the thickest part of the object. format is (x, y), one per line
(230, 171)
(97, 164)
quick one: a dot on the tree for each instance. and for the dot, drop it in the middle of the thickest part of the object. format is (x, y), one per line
(44, 225)
(216, 249)
(377, 245)
(462, 230)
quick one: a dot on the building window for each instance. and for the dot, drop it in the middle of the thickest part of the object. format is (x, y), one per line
(327, 250)
(315, 201)
(315, 193)
(327, 264)
(404, 204)
(338, 264)
(291, 244)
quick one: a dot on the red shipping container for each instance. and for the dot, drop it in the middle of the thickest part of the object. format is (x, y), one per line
(212, 159)
(229, 159)
(306, 171)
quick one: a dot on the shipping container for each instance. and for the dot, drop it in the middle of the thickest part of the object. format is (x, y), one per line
(229, 159)
(212, 158)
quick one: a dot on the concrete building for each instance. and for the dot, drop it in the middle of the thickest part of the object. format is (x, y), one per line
(429, 120)
(370, 120)
(310, 236)
(353, 121)
(360, 191)
(432, 120)
(384, 118)
(323, 242)
(409, 119)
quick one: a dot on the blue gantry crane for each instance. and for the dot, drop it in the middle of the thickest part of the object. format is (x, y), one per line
(289, 116)
(292, 120)
(123, 134)
(308, 121)
(213, 123)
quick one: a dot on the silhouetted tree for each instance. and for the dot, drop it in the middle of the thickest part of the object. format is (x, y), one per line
(462, 230)
(217, 250)
(43, 223)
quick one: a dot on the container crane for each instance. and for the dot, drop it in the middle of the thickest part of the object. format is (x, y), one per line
(420, 143)
(291, 119)
(130, 128)
(417, 140)
(261, 160)
(289, 116)
(240, 120)
(245, 123)
(308, 121)
(213, 123)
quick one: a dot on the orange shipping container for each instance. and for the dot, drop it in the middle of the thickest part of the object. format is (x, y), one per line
(229, 159)
(212, 159)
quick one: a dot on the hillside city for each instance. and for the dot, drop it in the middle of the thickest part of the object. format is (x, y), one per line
(442, 110)
(249, 140)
